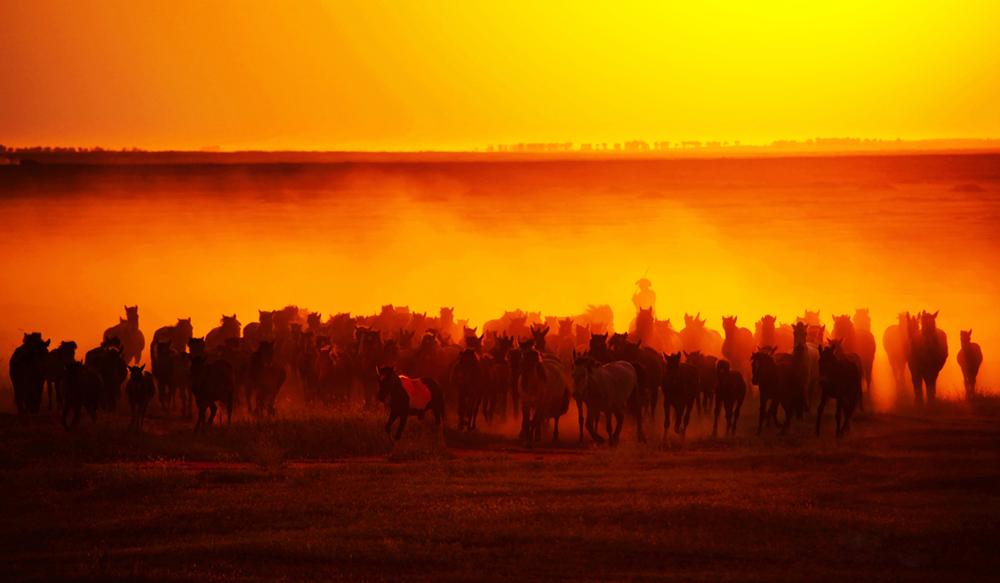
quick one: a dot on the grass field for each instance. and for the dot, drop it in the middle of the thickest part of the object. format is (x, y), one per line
(911, 497)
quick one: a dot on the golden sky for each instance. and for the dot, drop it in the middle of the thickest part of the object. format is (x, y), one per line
(402, 74)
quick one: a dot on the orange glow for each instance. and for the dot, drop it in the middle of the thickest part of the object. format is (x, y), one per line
(743, 237)
(449, 74)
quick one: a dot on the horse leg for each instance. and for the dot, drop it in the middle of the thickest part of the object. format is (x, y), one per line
(526, 422)
(579, 414)
(736, 416)
(789, 408)
(402, 425)
(931, 382)
(819, 411)
(555, 430)
(715, 424)
(666, 417)
(591, 424)
(918, 388)
(620, 421)
(763, 414)
(636, 407)
(687, 420)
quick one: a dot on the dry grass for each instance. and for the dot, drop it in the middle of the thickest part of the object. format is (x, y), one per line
(905, 497)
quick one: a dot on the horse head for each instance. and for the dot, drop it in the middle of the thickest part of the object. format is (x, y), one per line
(800, 333)
(387, 381)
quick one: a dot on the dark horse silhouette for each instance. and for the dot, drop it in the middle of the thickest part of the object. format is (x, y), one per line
(229, 328)
(127, 331)
(730, 391)
(81, 389)
(471, 376)
(211, 382)
(56, 368)
(778, 384)
(406, 397)
(928, 353)
(840, 379)
(896, 342)
(970, 358)
(140, 391)
(681, 383)
(28, 368)
(738, 345)
(178, 336)
(864, 344)
(264, 378)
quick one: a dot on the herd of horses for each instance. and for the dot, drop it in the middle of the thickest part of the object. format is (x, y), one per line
(419, 365)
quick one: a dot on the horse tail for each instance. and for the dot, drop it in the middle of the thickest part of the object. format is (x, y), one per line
(437, 398)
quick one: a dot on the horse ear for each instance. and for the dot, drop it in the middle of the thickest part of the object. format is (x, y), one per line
(936, 313)
(142, 368)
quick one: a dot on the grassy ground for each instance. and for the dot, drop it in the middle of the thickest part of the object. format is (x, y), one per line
(905, 497)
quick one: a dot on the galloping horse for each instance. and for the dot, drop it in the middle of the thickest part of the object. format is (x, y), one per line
(405, 397)
(127, 331)
(608, 389)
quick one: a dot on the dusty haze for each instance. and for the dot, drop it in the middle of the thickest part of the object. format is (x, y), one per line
(720, 237)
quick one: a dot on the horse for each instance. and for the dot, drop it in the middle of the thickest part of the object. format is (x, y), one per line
(804, 358)
(262, 329)
(371, 354)
(542, 385)
(495, 398)
(538, 335)
(779, 384)
(406, 397)
(211, 382)
(648, 364)
(178, 336)
(970, 358)
(28, 369)
(896, 342)
(471, 377)
(840, 379)
(81, 389)
(696, 337)
(928, 354)
(681, 381)
(140, 390)
(737, 346)
(847, 343)
(216, 337)
(706, 378)
(55, 368)
(110, 362)
(127, 331)
(264, 378)
(768, 334)
(608, 389)
(335, 372)
(599, 349)
(645, 330)
(164, 366)
(864, 344)
(730, 390)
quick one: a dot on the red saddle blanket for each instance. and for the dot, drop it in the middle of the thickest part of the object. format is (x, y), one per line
(419, 394)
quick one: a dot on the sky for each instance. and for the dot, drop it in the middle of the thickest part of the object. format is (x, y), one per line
(418, 75)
